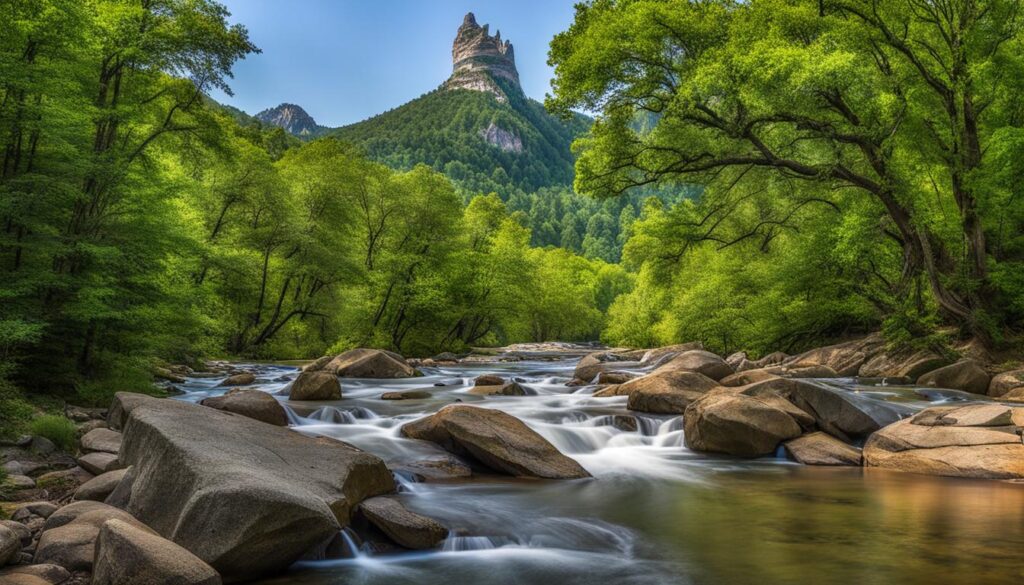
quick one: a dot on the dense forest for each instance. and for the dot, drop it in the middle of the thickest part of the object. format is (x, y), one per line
(143, 222)
(759, 175)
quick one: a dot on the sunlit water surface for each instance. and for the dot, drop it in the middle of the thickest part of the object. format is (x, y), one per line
(655, 512)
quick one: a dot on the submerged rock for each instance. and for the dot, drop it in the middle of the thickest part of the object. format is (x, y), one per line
(822, 449)
(497, 440)
(966, 375)
(314, 385)
(401, 525)
(975, 440)
(127, 554)
(246, 497)
(254, 404)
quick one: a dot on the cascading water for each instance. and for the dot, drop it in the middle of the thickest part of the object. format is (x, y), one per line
(655, 512)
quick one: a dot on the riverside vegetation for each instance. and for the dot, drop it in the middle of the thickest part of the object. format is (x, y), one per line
(807, 212)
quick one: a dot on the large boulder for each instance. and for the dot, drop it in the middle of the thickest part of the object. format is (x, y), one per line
(1005, 383)
(128, 555)
(495, 439)
(122, 406)
(846, 415)
(966, 375)
(240, 379)
(725, 421)
(246, 497)
(315, 385)
(401, 525)
(902, 364)
(69, 534)
(700, 361)
(975, 440)
(822, 449)
(251, 403)
(665, 390)
(103, 440)
(100, 487)
(369, 363)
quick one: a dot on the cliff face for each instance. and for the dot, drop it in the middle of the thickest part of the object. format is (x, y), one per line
(290, 117)
(479, 58)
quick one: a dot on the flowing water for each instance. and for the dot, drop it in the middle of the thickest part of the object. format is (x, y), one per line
(655, 512)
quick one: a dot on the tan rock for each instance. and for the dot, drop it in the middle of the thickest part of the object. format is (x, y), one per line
(315, 385)
(1005, 382)
(742, 378)
(702, 362)
(10, 545)
(737, 424)
(488, 380)
(905, 364)
(822, 449)
(369, 363)
(495, 439)
(241, 379)
(665, 391)
(34, 575)
(401, 525)
(406, 395)
(507, 389)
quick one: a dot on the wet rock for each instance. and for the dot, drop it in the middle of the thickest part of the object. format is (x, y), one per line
(97, 463)
(369, 363)
(406, 395)
(10, 545)
(625, 423)
(254, 404)
(315, 385)
(439, 467)
(34, 575)
(497, 440)
(24, 534)
(488, 380)
(506, 389)
(102, 440)
(737, 424)
(122, 406)
(1006, 382)
(665, 391)
(240, 379)
(702, 362)
(610, 391)
(965, 441)
(402, 525)
(127, 555)
(822, 449)
(908, 364)
(69, 535)
(446, 357)
(98, 488)
(966, 375)
(593, 364)
(246, 497)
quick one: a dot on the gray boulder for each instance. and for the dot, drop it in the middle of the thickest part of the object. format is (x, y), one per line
(102, 440)
(100, 487)
(251, 403)
(401, 525)
(246, 497)
(129, 555)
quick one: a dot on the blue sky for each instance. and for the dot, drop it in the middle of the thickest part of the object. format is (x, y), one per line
(346, 60)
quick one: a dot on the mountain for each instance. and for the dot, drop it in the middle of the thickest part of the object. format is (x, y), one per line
(292, 118)
(478, 127)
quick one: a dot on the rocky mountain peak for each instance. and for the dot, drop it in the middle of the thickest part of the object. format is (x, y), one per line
(478, 58)
(290, 117)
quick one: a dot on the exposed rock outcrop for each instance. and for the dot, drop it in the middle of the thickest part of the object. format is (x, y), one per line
(292, 118)
(975, 440)
(479, 58)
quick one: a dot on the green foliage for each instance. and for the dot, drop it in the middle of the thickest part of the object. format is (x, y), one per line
(56, 428)
(859, 161)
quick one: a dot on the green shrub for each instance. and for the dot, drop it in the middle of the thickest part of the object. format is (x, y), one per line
(14, 411)
(56, 428)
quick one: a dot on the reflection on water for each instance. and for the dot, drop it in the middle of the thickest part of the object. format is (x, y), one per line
(657, 513)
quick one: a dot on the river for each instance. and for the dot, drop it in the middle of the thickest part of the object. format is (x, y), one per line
(655, 512)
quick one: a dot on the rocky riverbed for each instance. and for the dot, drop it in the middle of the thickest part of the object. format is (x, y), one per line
(547, 463)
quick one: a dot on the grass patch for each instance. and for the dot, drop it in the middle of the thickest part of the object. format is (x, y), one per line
(56, 428)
